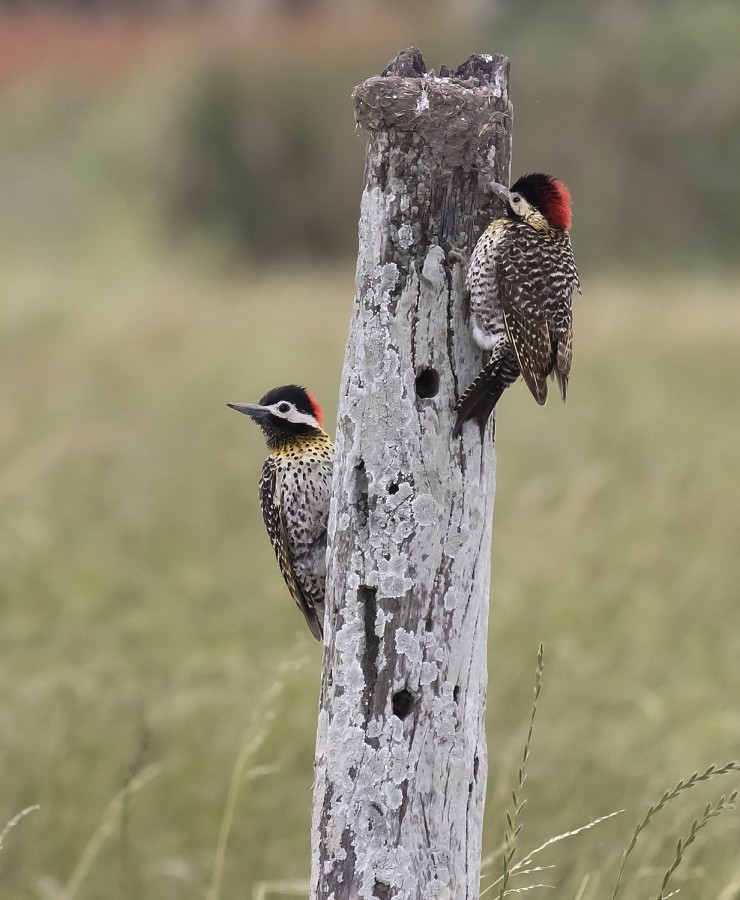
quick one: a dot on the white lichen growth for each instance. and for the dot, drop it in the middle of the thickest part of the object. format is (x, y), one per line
(451, 598)
(429, 673)
(408, 561)
(422, 102)
(407, 644)
(405, 236)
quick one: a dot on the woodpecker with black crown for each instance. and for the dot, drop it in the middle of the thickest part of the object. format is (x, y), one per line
(521, 278)
(294, 489)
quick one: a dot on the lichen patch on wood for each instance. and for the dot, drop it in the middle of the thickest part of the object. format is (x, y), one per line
(398, 801)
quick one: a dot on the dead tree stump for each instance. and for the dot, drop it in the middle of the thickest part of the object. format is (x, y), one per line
(400, 771)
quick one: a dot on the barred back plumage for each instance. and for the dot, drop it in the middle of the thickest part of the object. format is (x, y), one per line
(521, 278)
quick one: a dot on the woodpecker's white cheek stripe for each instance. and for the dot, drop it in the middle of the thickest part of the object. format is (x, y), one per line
(294, 416)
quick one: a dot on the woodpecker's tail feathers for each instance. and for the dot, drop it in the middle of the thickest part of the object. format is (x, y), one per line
(314, 616)
(563, 361)
(562, 378)
(481, 397)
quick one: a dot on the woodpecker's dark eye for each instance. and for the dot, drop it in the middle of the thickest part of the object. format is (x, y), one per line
(515, 198)
(284, 407)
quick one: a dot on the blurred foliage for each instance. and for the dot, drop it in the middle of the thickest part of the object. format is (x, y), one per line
(265, 161)
(142, 612)
(638, 106)
(240, 134)
(635, 105)
(144, 617)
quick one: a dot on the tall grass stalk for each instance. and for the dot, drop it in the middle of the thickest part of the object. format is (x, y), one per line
(682, 786)
(710, 812)
(518, 868)
(295, 888)
(561, 837)
(513, 828)
(253, 739)
(528, 887)
(104, 829)
(582, 888)
(11, 823)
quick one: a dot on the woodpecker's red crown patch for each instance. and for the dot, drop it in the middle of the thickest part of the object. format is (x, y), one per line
(549, 195)
(318, 409)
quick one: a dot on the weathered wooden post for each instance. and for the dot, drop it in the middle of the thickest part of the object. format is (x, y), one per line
(400, 768)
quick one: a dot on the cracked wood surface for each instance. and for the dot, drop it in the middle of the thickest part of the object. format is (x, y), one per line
(400, 770)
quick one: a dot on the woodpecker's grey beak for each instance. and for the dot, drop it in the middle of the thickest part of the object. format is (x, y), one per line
(503, 192)
(253, 410)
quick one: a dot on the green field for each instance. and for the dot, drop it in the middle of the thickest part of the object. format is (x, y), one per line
(144, 618)
(147, 638)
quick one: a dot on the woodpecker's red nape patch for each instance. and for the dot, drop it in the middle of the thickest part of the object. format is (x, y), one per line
(318, 409)
(557, 204)
(548, 194)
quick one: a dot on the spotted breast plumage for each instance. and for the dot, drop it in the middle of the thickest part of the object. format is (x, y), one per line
(521, 278)
(295, 488)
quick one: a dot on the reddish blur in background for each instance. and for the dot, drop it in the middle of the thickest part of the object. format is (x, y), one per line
(635, 105)
(179, 193)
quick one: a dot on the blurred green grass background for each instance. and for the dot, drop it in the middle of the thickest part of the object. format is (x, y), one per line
(177, 227)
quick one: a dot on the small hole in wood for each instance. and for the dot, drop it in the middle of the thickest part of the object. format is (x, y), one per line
(393, 488)
(381, 890)
(456, 693)
(427, 384)
(403, 702)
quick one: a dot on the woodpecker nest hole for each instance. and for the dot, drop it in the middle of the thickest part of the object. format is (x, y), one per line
(427, 384)
(403, 702)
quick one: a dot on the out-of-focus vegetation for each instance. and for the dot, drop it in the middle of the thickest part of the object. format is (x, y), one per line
(246, 137)
(156, 177)
(635, 105)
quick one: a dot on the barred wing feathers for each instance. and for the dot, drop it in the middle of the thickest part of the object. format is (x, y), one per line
(272, 513)
(535, 295)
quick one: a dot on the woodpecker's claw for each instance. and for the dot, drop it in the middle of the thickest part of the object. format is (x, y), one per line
(459, 254)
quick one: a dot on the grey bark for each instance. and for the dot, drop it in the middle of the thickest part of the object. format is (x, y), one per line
(400, 770)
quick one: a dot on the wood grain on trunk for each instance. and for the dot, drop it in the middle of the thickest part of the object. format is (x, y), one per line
(400, 771)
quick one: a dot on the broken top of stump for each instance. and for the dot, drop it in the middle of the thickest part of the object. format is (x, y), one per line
(457, 112)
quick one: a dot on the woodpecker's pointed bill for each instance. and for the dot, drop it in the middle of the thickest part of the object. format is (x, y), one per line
(253, 410)
(500, 189)
(295, 488)
(521, 278)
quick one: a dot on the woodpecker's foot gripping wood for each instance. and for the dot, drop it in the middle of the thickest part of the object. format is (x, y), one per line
(459, 254)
